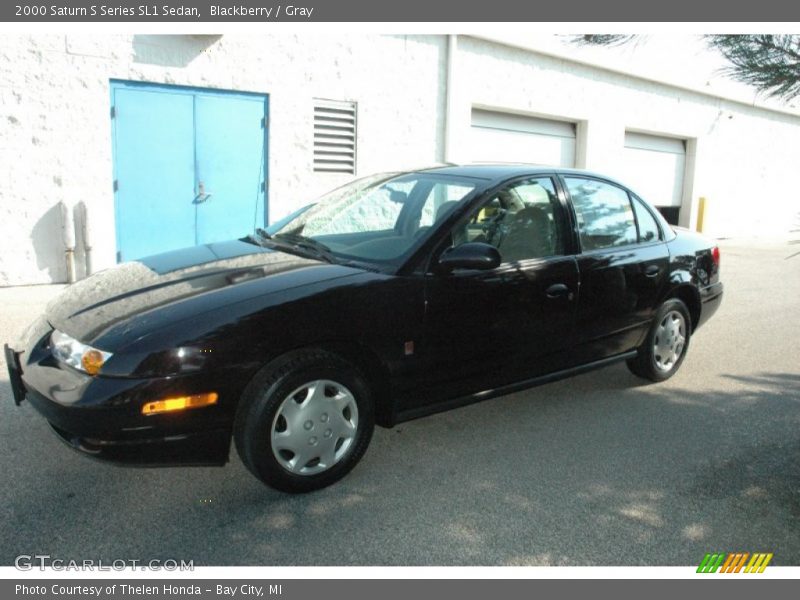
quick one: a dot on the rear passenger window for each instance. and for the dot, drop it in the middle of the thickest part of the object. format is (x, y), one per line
(605, 216)
(648, 228)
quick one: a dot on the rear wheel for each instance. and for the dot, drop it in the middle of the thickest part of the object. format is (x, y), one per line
(665, 346)
(305, 422)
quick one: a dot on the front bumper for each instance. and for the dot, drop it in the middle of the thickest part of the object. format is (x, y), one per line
(208, 448)
(14, 375)
(101, 416)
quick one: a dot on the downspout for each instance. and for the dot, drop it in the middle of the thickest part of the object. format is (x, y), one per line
(450, 99)
(86, 233)
(68, 237)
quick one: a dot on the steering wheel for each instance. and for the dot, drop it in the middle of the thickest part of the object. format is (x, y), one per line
(493, 226)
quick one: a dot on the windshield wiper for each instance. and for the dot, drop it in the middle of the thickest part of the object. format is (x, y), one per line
(258, 237)
(305, 243)
(293, 240)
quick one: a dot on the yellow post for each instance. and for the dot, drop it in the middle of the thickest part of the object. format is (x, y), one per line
(701, 211)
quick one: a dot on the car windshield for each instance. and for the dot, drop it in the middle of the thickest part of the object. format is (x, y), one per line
(380, 218)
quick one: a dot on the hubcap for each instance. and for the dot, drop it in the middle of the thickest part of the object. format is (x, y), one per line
(669, 341)
(314, 427)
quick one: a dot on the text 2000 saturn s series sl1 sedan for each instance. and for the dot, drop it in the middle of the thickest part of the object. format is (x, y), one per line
(393, 297)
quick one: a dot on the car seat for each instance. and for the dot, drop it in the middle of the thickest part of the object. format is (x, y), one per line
(529, 236)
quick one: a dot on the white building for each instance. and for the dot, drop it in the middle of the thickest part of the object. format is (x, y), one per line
(169, 140)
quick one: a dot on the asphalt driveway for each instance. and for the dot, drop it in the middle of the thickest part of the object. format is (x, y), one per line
(601, 469)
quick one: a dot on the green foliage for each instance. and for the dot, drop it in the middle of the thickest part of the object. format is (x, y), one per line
(770, 63)
(595, 39)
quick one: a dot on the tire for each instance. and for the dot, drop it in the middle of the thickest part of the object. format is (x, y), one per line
(304, 421)
(666, 344)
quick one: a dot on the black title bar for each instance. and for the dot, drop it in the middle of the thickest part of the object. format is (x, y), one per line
(733, 588)
(194, 11)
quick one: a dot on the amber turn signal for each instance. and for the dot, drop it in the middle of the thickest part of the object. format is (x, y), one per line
(91, 361)
(179, 403)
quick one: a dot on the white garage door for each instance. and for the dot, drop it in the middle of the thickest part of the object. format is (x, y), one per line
(504, 137)
(654, 168)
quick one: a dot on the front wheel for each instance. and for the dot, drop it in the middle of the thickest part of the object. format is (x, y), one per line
(304, 423)
(665, 346)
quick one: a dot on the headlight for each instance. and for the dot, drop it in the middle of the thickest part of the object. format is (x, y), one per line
(77, 355)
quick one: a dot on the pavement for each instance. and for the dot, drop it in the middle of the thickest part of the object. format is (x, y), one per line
(600, 469)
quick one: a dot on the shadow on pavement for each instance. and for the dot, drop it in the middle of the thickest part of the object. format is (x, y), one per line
(599, 469)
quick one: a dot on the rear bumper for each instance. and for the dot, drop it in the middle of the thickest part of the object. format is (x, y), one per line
(102, 416)
(710, 300)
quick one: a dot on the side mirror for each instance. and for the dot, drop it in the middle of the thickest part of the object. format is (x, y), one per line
(472, 255)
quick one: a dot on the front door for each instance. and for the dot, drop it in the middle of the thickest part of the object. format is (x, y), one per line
(189, 166)
(487, 329)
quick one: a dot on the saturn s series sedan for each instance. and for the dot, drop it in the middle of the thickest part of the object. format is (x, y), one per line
(393, 297)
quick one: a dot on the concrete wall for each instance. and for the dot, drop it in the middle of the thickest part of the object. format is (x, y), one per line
(741, 158)
(55, 128)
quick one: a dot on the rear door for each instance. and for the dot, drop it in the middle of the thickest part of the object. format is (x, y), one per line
(623, 268)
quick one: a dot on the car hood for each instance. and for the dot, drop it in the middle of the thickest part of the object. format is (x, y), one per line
(187, 282)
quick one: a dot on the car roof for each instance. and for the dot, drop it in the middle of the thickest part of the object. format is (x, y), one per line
(502, 171)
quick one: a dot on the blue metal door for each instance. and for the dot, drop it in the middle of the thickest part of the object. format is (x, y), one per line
(189, 166)
(230, 166)
(154, 172)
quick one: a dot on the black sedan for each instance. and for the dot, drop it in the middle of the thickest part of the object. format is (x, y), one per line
(393, 297)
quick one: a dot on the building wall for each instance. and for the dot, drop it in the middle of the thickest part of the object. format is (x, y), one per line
(742, 159)
(55, 127)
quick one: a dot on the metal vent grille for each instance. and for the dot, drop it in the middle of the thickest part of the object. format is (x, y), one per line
(334, 136)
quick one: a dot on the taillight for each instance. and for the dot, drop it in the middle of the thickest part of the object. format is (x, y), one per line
(715, 255)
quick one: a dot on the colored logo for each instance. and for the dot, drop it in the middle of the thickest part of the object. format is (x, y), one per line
(734, 562)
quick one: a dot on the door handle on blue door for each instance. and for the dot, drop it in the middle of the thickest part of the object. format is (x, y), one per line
(557, 290)
(201, 194)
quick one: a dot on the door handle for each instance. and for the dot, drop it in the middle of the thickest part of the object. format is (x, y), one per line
(652, 271)
(557, 290)
(201, 196)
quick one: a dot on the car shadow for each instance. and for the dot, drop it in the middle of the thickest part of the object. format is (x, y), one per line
(597, 469)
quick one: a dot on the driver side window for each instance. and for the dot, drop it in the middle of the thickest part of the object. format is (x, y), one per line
(523, 221)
